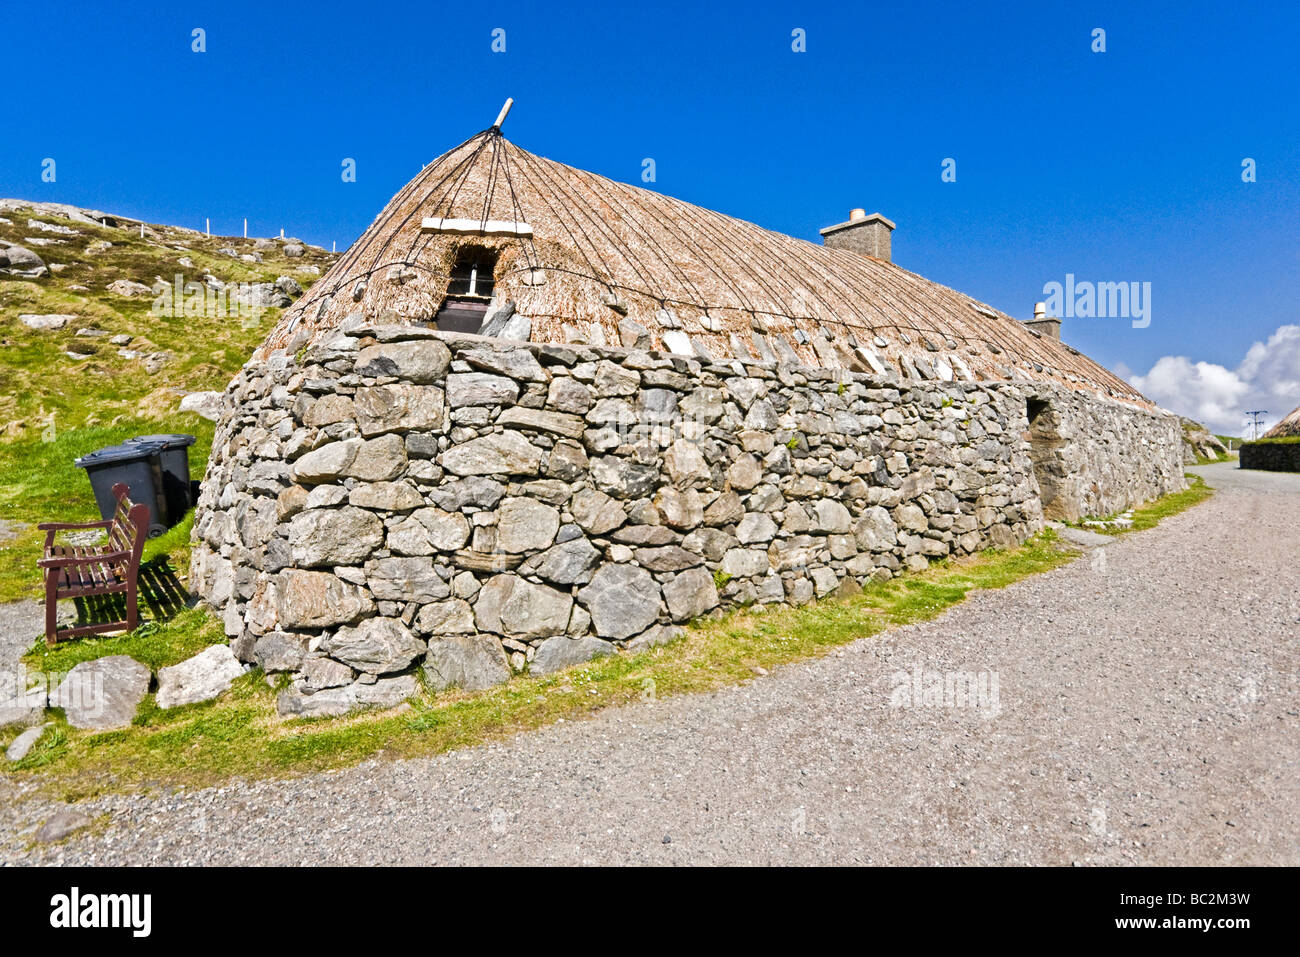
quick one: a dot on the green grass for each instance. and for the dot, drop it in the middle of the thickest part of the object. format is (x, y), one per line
(1215, 460)
(1281, 440)
(39, 483)
(54, 408)
(1151, 514)
(156, 644)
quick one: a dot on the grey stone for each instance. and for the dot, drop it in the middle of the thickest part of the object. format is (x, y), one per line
(653, 637)
(119, 287)
(62, 824)
(398, 407)
(526, 525)
(755, 527)
(567, 461)
(666, 558)
(447, 531)
(690, 594)
(623, 600)
(568, 395)
(102, 694)
(49, 321)
(623, 479)
(421, 362)
(645, 535)
(319, 673)
(712, 543)
(21, 260)
(555, 654)
(377, 646)
(518, 364)
(875, 530)
(633, 335)
(680, 509)
(480, 388)
(326, 463)
(200, 678)
(378, 460)
(334, 536)
(831, 516)
(305, 599)
(25, 708)
(540, 420)
(502, 453)
(333, 702)
(745, 562)
(596, 512)
(386, 497)
(685, 464)
(280, 651)
(724, 510)
(405, 579)
(511, 606)
(612, 379)
(569, 563)
(22, 745)
(452, 617)
(470, 662)
(475, 490)
(206, 405)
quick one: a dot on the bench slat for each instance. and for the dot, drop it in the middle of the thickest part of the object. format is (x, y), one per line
(91, 571)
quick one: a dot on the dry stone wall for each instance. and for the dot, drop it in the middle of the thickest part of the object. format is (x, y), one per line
(1271, 455)
(395, 499)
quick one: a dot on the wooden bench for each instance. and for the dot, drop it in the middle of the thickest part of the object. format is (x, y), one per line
(81, 571)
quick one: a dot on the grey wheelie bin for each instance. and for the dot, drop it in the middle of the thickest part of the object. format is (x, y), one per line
(174, 461)
(135, 465)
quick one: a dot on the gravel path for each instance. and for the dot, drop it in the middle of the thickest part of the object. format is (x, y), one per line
(21, 623)
(1147, 713)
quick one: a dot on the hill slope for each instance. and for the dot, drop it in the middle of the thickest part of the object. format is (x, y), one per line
(96, 345)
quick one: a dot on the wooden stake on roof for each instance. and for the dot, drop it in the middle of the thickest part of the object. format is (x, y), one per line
(501, 117)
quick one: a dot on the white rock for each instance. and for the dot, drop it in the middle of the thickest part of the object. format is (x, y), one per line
(200, 678)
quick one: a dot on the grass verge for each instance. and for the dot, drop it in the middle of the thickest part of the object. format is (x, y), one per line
(240, 734)
(1151, 514)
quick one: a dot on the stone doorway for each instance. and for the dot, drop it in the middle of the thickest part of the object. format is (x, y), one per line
(1045, 445)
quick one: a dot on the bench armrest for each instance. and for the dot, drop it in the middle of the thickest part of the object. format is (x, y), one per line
(105, 558)
(70, 526)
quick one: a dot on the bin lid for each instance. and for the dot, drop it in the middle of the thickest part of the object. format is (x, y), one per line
(126, 452)
(168, 440)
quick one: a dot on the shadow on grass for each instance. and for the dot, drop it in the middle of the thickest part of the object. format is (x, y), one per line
(161, 596)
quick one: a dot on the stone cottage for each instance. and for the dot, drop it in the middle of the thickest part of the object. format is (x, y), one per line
(534, 415)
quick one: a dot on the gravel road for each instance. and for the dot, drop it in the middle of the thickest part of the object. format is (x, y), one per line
(1147, 710)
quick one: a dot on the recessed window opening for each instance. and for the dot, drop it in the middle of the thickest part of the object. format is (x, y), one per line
(469, 291)
(472, 274)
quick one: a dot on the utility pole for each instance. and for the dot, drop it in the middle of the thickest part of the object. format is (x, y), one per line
(1254, 421)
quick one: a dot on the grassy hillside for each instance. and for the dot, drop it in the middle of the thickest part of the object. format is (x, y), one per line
(66, 391)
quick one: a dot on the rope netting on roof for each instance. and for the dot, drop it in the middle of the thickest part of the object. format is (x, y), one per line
(599, 251)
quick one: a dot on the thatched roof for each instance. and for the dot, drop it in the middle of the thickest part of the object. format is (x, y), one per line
(579, 254)
(1287, 427)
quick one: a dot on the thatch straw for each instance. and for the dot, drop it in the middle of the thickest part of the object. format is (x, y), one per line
(1288, 427)
(608, 251)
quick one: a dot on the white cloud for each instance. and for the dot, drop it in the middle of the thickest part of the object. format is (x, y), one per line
(1267, 378)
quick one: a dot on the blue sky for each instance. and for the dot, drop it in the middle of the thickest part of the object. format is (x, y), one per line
(1115, 166)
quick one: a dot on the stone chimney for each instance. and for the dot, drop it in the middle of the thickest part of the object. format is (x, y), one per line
(1049, 326)
(862, 234)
